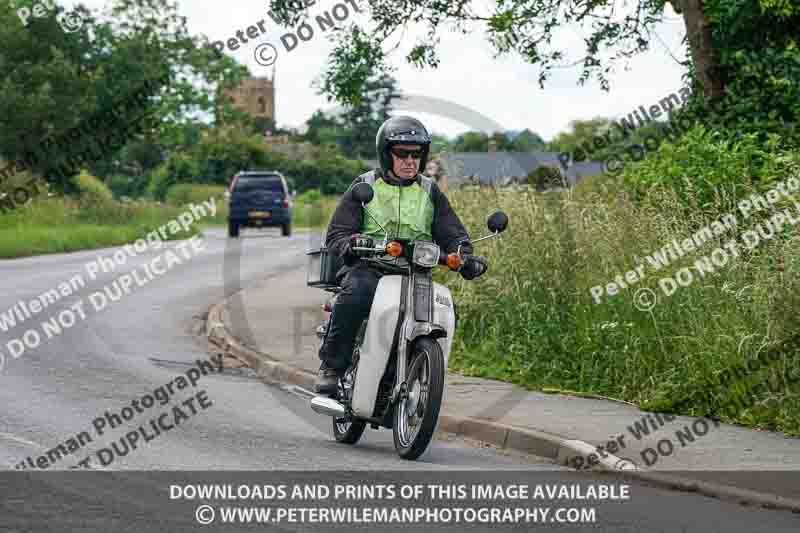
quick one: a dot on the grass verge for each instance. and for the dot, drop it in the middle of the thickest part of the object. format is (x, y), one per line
(59, 225)
(533, 321)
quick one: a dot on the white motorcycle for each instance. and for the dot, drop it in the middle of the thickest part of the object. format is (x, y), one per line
(397, 376)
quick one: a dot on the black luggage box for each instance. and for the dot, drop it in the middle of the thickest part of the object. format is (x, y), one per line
(322, 268)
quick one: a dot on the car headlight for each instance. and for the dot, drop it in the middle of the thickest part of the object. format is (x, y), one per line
(426, 254)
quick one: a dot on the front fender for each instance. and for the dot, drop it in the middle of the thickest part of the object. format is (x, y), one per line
(421, 329)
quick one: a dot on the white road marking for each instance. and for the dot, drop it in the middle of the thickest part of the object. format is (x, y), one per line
(9, 436)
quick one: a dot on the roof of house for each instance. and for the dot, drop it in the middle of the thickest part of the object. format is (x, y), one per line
(578, 171)
(489, 167)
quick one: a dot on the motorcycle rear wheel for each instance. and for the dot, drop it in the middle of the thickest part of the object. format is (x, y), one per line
(347, 431)
(416, 415)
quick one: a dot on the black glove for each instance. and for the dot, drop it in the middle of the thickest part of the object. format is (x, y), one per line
(474, 266)
(358, 241)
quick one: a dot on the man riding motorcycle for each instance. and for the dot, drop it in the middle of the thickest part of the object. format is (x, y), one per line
(410, 206)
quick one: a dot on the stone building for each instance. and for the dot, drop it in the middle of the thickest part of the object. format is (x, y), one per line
(255, 96)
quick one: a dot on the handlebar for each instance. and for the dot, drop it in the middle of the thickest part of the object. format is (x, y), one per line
(453, 261)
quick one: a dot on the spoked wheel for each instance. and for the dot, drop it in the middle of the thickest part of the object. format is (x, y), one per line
(415, 416)
(347, 431)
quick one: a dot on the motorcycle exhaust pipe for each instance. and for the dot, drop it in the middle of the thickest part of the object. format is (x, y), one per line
(327, 406)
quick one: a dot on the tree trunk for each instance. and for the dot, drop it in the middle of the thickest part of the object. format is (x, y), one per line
(704, 55)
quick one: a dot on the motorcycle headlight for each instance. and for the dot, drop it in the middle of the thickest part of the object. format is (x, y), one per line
(426, 254)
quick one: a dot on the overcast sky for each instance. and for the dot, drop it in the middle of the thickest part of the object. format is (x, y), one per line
(504, 89)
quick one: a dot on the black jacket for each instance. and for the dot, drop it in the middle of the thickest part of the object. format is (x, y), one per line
(447, 230)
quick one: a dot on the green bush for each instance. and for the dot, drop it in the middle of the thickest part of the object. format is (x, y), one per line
(759, 53)
(311, 210)
(178, 168)
(92, 189)
(545, 177)
(127, 186)
(309, 197)
(710, 170)
(224, 152)
(186, 193)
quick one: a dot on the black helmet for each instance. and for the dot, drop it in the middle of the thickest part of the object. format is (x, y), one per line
(401, 130)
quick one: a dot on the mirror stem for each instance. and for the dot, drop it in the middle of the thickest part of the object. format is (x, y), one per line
(495, 234)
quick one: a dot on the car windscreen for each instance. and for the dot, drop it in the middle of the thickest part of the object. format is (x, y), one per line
(259, 183)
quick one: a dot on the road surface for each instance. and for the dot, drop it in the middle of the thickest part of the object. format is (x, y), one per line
(76, 382)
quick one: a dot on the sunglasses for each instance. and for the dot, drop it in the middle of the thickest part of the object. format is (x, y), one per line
(402, 153)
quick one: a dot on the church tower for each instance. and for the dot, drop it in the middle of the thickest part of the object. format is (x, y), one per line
(255, 96)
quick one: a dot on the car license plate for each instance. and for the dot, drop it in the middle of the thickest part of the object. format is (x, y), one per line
(260, 214)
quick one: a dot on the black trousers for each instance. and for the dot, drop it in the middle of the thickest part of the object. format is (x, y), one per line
(352, 306)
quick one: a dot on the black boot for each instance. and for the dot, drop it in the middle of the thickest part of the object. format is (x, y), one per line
(327, 381)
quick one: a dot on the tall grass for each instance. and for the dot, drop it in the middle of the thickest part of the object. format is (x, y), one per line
(313, 212)
(189, 193)
(57, 225)
(532, 320)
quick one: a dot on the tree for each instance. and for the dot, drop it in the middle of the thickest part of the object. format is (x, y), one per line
(56, 82)
(527, 141)
(322, 129)
(363, 117)
(581, 138)
(502, 142)
(261, 125)
(477, 141)
(718, 33)
(471, 141)
(354, 130)
(440, 143)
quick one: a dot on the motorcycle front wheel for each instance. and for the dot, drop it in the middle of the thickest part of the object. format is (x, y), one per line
(415, 416)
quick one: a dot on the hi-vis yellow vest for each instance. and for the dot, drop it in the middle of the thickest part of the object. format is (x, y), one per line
(405, 212)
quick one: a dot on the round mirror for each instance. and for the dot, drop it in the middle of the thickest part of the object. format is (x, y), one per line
(363, 193)
(497, 222)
